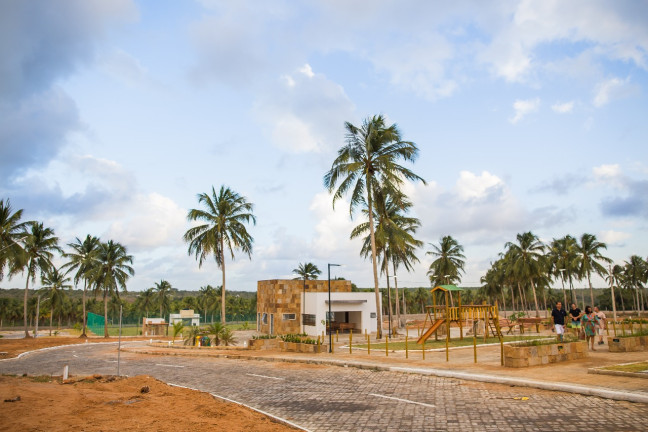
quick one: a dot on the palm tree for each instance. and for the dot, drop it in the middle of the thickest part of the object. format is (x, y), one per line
(111, 273)
(526, 263)
(368, 161)
(636, 272)
(563, 259)
(306, 271)
(54, 282)
(178, 326)
(589, 256)
(145, 300)
(394, 233)
(12, 230)
(207, 300)
(38, 245)
(215, 329)
(83, 260)
(163, 293)
(224, 217)
(449, 264)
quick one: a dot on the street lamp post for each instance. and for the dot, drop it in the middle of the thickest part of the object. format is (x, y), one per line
(328, 320)
(389, 308)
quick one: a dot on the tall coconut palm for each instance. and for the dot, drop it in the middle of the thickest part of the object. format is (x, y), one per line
(39, 244)
(223, 229)
(145, 300)
(526, 261)
(370, 159)
(111, 274)
(449, 263)
(83, 259)
(394, 234)
(589, 255)
(54, 284)
(636, 272)
(12, 231)
(563, 258)
(306, 271)
(163, 294)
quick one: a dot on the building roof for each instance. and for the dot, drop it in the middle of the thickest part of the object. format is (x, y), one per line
(446, 288)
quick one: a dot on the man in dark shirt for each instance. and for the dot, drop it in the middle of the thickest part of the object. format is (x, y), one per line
(558, 314)
(576, 315)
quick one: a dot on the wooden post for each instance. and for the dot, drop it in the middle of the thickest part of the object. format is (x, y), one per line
(436, 334)
(614, 327)
(319, 346)
(368, 345)
(485, 324)
(460, 316)
(350, 340)
(386, 347)
(423, 350)
(447, 327)
(622, 328)
(406, 352)
(475, 346)
(337, 335)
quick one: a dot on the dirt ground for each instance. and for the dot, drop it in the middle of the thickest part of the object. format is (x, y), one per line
(103, 403)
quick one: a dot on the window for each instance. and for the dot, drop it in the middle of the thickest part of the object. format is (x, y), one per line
(372, 315)
(265, 318)
(289, 317)
(308, 319)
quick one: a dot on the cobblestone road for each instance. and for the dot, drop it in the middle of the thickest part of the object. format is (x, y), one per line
(324, 398)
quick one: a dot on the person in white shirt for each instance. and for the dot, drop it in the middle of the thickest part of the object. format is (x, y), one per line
(602, 323)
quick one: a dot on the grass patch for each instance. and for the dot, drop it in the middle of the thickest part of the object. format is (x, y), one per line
(431, 344)
(41, 378)
(547, 341)
(632, 367)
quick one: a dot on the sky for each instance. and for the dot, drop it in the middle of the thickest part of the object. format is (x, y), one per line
(528, 116)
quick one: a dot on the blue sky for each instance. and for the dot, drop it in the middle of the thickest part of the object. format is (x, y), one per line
(115, 114)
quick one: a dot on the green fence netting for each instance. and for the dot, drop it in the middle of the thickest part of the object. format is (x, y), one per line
(96, 323)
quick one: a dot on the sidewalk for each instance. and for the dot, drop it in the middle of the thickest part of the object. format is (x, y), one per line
(571, 376)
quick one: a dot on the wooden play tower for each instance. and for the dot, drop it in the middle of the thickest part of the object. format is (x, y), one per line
(444, 315)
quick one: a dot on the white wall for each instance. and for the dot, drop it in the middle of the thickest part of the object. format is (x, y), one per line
(359, 313)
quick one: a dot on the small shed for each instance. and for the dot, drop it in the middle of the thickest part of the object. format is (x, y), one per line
(154, 327)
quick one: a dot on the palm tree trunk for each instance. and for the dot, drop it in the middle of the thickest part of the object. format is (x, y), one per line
(564, 292)
(590, 287)
(372, 236)
(83, 333)
(513, 304)
(522, 305)
(222, 252)
(51, 316)
(29, 272)
(105, 314)
(535, 299)
(398, 317)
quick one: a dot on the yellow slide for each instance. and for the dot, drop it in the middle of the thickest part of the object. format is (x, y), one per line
(430, 331)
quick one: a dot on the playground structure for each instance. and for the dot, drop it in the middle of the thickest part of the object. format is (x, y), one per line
(438, 316)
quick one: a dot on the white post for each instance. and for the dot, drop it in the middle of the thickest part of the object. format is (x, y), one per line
(65, 372)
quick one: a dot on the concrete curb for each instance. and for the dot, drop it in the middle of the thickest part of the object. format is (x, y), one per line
(603, 371)
(520, 382)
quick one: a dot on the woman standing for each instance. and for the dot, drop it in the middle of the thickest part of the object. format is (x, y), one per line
(590, 321)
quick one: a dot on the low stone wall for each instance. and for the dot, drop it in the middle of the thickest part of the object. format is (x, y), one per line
(264, 344)
(300, 347)
(523, 356)
(628, 343)
(278, 344)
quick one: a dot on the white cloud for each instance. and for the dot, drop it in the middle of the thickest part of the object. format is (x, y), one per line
(611, 89)
(614, 238)
(563, 108)
(305, 111)
(472, 186)
(523, 108)
(610, 174)
(148, 221)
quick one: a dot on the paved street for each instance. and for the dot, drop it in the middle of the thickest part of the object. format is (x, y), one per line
(325, 398)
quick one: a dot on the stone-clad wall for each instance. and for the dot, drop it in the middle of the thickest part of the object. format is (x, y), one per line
(284, 296)
(523, 356)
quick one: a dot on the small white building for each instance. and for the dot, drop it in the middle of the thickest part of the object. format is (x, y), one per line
(186, 316)
(297, 306)
(350, 311)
